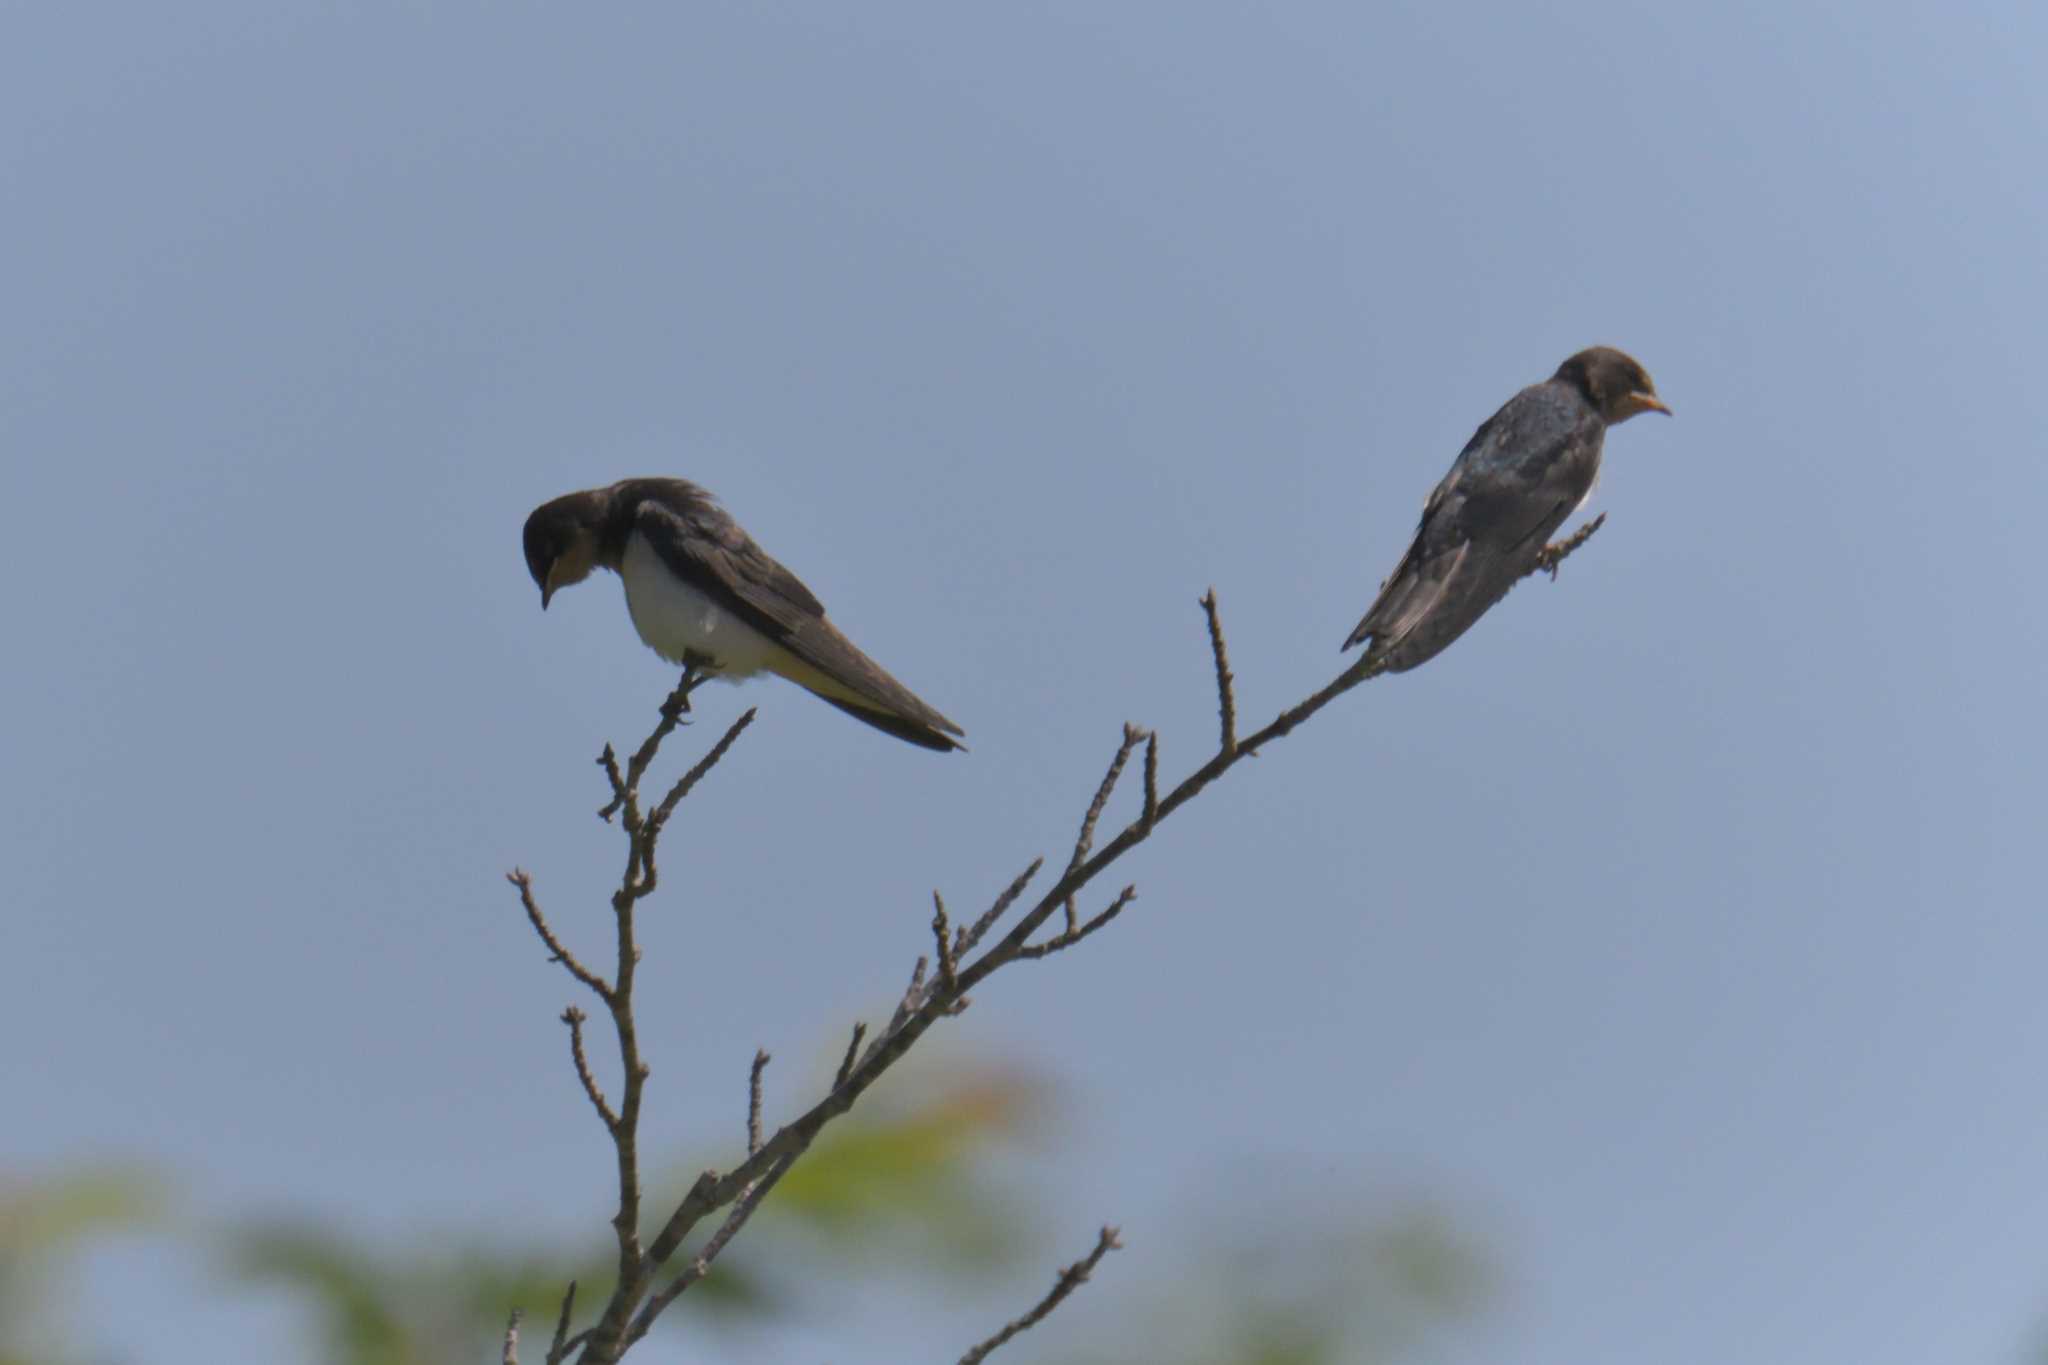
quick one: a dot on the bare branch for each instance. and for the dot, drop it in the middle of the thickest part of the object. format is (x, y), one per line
(743, 1209)
(511, 1355)
(1070, 1279)
(712, 1191)
(1086, 839)
(913, 997)
(606, 1340)
(609, 761)
(852, 1052)
(574, 1017)
(556, 952)
(673, 709)
(970, 939)
(1226, 696)
(942, 933)
(927, 999)
(754, 1102)
(644, 834)
(1151, 815)
(715, 1191)
(1067, 938)
(696, 774)
(558, 1350)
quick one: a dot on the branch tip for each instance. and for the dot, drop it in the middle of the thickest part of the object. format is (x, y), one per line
(1226, 695)
(1070, 1278)
(754, 1101)
(559, 1348)
(852, 1053)
(574, 1018)
(1151, 813)
(942, 935)
(968, 938)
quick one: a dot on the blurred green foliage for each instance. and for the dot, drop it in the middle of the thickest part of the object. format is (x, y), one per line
(1318, 1283)
(908, 1187)
(1306, 1279)
(43, 1224)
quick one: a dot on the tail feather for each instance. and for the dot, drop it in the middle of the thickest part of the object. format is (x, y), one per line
(889, 723)
(1407, 599)
(828, 666)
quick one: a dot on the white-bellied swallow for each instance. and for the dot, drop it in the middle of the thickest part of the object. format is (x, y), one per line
(700, 590)
(1522, 473)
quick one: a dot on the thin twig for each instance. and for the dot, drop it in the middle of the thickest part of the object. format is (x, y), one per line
(690, 779)
(913, 997)
(942, 934)
(643, 834)
(1226, 696)
(556, 951)
(1070, 1279)
(1085, 840)
(511, 1355)
(852, 1052)
(609, 761)
(1067, 938)
(558, 1350)
(1151, 815)
(969, 939)
(673, 709)
(574, 1017)
(754, 1101)
(743, 1209)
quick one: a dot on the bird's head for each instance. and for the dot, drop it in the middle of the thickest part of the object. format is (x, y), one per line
(1616, 386)
(562, 542)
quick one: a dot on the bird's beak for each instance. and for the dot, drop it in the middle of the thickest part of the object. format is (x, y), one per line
(545, 594)
(1649, 402)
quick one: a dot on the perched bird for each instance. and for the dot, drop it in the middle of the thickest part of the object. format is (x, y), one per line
(700, 590)
(1514, 483)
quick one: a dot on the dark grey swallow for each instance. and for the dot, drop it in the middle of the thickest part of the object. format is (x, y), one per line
(699, 589)
(1522, 473)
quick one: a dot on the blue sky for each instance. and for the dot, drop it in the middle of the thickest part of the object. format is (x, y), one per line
(1682, 923)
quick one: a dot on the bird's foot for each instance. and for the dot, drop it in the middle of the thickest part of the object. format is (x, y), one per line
(1551, 556)
(698, 669)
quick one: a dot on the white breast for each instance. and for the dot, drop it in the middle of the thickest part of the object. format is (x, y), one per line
(675, 618)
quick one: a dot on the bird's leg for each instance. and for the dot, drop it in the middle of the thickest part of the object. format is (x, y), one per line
(698, 669)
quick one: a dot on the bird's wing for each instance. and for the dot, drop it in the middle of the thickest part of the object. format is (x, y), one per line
(1415, 586)
(1502, 493)
(708, 549)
